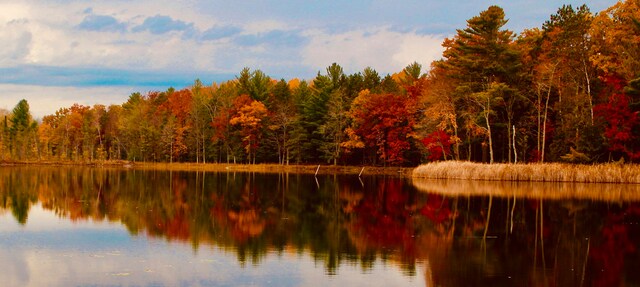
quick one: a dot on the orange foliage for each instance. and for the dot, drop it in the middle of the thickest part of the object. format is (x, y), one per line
(179, 104)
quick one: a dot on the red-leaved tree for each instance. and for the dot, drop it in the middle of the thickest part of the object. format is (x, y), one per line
(438, 145)
(620, 123)
(384, 121)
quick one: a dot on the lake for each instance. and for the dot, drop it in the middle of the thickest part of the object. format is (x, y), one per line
(80, 226)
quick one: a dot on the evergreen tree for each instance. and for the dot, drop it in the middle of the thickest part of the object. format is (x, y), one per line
(320, 126)
(481, 58)
(22, 132)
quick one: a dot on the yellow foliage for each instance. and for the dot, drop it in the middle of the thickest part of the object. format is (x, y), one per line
(616, 39)
(294, 83)
(353, 141)
(250, 115)
(399, 77)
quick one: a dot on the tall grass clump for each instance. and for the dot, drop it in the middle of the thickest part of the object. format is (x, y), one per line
(537, 172)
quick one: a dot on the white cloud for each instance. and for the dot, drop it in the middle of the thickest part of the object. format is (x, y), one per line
(423, 49)
(13, 11)
(187, 36)
(46, 100)
(16, 39)
(60, 35)
(382, 49)
(104, 35)
(265, 26)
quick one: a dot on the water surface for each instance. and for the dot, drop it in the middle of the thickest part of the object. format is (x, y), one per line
(76, 226)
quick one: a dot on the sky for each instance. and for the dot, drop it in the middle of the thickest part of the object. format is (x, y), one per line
(55, 53)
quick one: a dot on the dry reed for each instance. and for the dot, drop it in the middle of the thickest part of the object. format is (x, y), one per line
(537, 172)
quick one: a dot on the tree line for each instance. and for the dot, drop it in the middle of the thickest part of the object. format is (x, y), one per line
(566, 91)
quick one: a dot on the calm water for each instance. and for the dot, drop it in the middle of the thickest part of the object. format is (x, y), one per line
(108, 227)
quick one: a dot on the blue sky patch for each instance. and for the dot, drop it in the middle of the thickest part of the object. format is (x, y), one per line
(160, 24)
(102, 23)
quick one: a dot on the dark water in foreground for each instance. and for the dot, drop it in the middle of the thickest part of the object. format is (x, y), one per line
(107, 227)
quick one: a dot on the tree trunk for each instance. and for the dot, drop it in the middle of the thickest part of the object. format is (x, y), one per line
(509, 137)
(444, 152)
(539, 125)
(204, 158)
(546, 112)
(469, 145)
(544, 125)
(197, 150)
(456, 149)
(35, 141)
(586, 75)
(486, 118)
(515, 152)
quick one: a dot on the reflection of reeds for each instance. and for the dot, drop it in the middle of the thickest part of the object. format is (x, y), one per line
(532, 190)
(544, 172)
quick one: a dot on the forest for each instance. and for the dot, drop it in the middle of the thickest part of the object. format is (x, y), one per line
(568, 91)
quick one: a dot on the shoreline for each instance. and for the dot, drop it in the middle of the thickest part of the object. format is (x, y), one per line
(277, 168)
(447, 170)
(405, 172)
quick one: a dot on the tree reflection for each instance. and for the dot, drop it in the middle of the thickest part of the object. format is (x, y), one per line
(18, 194)
(455, 241)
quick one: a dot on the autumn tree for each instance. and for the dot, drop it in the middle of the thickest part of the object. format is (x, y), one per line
(141, 126)
(112, 132)
(76, 131)
(203, 110)
(438, 145)
(536, 84)
(249, 116)
(565, 50)
(222, 108)
(53, 134)
(615, 34)
(383, 122)
(621, 123)
(440, 113)
(174, 121)
(97, 126)
(173, 138)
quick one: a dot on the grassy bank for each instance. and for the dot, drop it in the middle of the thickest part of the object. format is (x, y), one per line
(223, 167)
(539, 172)
(109, 163)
